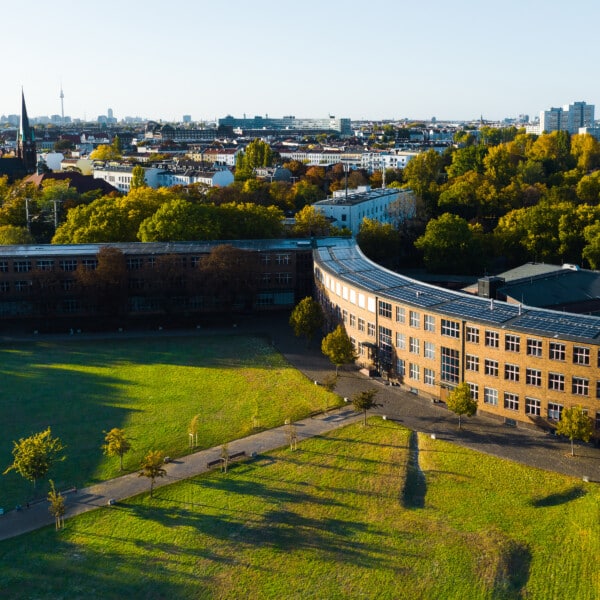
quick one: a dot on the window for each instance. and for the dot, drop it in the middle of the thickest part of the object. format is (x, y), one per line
(414, 345)
(474, 390)
(400, 314)
(344, 316)
(472, 362)
(400, 370)
(265, 278)
(491, 339)
(533, 377)
(4, 286)
(415, 321)
(371, 329)
(428, 323)
(385, 309)
(429, 350)
(557, 351)
(68, 265)
(449, 365)
(283, 278)
(532, 407)
(490, 396)
(511, 372)
(134, 264)
(67, 284)
(282, 259)
(491, 367)
(429, 376)
(556, 381)
(581, 355)
(400, 341)
(22, 266)
(512, 343)
(473, 335)
(90, 264)
(361, 324)
(511, 401)
(450, 328)
(413, 371)
(554, 411)
(580, 386)
(534, 347)
(597, 389)
(352, 320)
(265, 259)
(3, 266)
(45, 265)
(22, 286)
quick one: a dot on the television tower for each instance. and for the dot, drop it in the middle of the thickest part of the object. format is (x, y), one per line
(62, 106)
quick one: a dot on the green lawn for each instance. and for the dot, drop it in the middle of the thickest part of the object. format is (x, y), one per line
(152, 388)
(343, 517)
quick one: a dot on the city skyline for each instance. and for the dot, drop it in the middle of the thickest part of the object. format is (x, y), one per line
(453, 61)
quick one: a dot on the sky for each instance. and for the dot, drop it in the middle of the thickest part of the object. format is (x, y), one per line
(382, 59)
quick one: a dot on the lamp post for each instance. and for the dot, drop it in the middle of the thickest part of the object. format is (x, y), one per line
(346, 169)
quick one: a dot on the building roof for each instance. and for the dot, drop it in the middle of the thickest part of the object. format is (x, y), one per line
(358, 197)
(82, 183)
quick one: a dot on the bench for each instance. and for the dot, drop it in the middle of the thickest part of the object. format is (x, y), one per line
(219, 461)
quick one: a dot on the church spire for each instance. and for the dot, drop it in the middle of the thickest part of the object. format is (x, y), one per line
(26, 149)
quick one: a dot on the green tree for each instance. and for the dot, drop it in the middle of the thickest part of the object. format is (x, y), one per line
(338, 348)
(450, 244)
(33, 457)
(460, 402)
(310, 221)
(591, 251)
(379, 241)
(138, 177)
(364, 401)
(116, 444)
(106, 152)
(152, 467)
(576, 425)
(12, 235)
(422, 175)
(307, 318)
(57, 506)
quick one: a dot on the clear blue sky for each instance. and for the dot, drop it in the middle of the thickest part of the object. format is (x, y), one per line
(454, 59)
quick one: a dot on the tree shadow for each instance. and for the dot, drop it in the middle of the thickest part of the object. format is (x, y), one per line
(560, 498)
(415, 485)
(512, 572)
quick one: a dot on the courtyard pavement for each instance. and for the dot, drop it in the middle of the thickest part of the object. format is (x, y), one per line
(480, 433)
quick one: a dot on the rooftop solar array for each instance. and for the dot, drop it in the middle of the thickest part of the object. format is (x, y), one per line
(349, 264)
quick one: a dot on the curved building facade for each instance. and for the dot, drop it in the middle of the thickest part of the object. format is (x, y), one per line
(524, 365)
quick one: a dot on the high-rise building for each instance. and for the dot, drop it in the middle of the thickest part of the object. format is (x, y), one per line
(568, 118)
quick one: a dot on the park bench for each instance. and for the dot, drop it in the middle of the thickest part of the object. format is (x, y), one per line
(219, 461)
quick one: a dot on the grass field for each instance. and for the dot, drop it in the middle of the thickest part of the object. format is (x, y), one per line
(346, 516)
(150, 387)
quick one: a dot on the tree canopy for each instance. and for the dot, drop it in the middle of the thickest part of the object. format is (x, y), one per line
(307, 318)
(364, 401)
(338, 348)
(576, 425)
(460, 402)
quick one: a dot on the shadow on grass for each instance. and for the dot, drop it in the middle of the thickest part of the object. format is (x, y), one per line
(512, 573)
(415, 486)
(560, 498)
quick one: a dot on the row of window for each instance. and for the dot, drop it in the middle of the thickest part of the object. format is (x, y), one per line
(512, 342)
(25, 266)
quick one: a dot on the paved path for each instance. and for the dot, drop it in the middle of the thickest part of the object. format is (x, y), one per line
(479, 433)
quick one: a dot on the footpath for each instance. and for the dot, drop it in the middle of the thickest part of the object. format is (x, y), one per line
(480, 433)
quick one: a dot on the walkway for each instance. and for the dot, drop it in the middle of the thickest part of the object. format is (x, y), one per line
(480, 433)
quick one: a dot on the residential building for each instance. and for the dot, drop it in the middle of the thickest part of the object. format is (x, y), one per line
(390, 205)
(570, 117)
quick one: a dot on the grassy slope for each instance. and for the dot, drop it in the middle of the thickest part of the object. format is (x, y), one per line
(330, 521)
(152, 388)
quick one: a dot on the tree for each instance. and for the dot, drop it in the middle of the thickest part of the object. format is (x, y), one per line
(310, 221)
(306, 318)
(57, 506)
(224, 458)
(292, 435)
(576, 425)
(138, 177)
(379, 241)
(338, 348)
(460, 402)
(117, 444)
(34, 456)
(152, 467)
(193, 431)
(13, 235)
(364, 401)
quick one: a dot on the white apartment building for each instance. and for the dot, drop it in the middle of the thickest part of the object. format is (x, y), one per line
(322, 158)
(121, 176)
(390, 205)
(376, 161)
